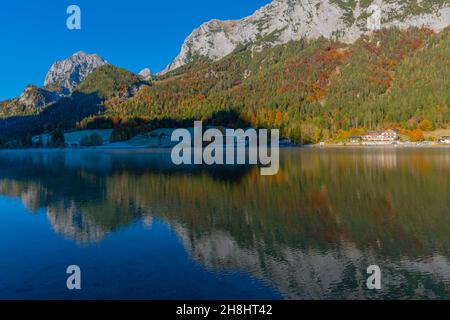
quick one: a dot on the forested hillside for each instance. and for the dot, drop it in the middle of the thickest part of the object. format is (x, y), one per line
(311, 88)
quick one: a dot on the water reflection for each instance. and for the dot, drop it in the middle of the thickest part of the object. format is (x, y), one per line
(311, 231)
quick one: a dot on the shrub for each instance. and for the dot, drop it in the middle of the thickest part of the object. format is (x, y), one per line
(121, 133)
(57, 139)
(426, 125)
(416, 136)
(91, 140)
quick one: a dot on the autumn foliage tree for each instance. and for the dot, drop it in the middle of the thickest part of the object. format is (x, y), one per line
(416, 135)
(426, 125)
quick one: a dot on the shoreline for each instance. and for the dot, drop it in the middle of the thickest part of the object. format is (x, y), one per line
(165, 150)
(381, 146)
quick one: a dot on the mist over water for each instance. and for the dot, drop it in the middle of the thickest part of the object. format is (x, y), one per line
(140, 227)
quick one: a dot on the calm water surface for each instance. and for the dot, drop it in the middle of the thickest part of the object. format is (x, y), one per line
(141, 228)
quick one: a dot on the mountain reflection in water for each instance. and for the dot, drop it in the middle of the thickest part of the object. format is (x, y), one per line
(310, 232)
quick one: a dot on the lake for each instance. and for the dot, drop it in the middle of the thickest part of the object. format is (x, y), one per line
(140, 227)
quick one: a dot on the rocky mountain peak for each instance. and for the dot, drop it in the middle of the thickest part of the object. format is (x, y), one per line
(146, 74)
(282, 21)
(66, 75)
(34, 97)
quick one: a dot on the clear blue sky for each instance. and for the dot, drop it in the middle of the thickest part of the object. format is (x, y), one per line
(131, 34)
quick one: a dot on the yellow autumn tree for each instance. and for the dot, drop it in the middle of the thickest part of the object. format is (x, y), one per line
(426, 125)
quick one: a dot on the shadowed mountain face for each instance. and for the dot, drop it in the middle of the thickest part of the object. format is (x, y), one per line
(310, 232)
(61, 80)
(106, 82)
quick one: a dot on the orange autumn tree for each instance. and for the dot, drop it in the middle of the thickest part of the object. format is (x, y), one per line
(416, 135)
(426, 125)
(278, 119)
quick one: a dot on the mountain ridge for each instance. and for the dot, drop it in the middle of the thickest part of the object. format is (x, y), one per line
(65, 75)
(61, 80)
(104, 83)
(296, 19)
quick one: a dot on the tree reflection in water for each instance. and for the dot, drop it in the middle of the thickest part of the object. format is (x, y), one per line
(311, 231)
